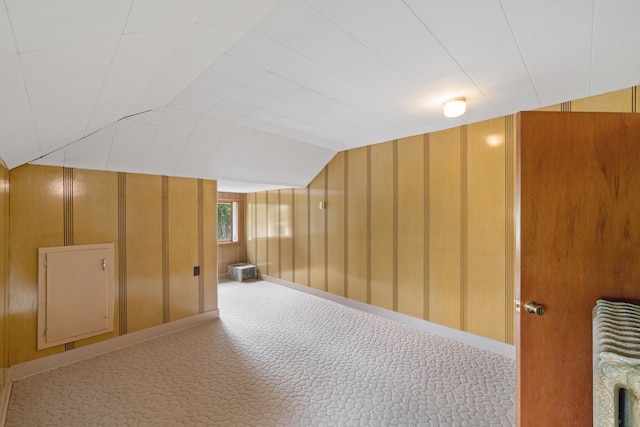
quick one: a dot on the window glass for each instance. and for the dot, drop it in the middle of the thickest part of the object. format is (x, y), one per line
(228, 222)
(225, 222)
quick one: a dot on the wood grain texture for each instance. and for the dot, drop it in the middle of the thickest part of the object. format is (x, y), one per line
(357, 227)
(95, 220)
(554, 107)
(183, 247)
(95, 207)
(261, 232)
(579, 189)
(144, 251)
(301, 236)
(620, 101)
(273, 233)
(382, 225)
(336, 225)
(4, 265)
(444, 227)
(210, 244)
(511, 267)
(286, 235)
(317, 237)
(486, 231)
(122, 253)
(411, 223)
(250, 230)
(200, 197)
(35, 221)
(37, 207)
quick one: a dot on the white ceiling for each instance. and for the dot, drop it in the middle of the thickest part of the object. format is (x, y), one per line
(260, 94)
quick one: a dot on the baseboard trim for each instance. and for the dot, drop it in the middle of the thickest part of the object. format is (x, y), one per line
(33, 367)
(4, 401)
(467, 338)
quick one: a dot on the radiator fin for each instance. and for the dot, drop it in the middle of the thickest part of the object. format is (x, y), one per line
(616, 364)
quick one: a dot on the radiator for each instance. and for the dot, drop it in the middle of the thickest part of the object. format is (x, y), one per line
(616, 364)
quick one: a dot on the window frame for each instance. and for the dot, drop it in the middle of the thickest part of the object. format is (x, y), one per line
(240, 223)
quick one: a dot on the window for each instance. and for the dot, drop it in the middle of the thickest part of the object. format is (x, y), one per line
(228, 221)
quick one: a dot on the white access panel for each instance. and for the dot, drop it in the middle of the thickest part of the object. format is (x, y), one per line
(75, 293)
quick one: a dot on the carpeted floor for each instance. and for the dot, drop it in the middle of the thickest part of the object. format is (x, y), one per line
(277, 357)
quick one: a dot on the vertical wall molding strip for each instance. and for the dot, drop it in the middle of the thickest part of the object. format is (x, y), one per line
(326, 229)
(346, 224)
(122, 252)
(4, 275)
(266, 231)
(203, 270)
(293, 236)
(427, 227)
(510, 231)
(464, 240)
(279, 234)
(634, 99)
(308, 235)
(67, 214)
(395, 225)
(67, 200)
(254, 226)
(166, 315)
(368, 225)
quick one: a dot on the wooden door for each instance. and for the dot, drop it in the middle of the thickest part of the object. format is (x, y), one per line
(579, 240)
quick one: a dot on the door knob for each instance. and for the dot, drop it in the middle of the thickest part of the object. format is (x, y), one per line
(533, 307)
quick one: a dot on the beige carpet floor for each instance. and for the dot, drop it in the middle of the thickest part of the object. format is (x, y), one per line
(277, 357)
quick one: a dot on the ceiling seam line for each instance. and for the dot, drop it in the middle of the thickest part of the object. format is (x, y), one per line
(451, 56)
(153, 140)
(338, 75)
(104, 81)
(593, 29)
(26, 91)
(535, 89)
(363, 45)
(184, 149)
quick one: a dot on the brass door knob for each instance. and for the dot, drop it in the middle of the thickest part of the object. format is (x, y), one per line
(533, 307)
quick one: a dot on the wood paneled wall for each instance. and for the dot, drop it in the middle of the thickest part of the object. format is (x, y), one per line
(300, 236)
(233, 253)
(423, 225)
(4, 266)
(336, 248)
(445, 215)
(415, 225)
(161, 227)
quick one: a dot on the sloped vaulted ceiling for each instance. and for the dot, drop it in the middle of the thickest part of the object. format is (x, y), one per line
(261, 94)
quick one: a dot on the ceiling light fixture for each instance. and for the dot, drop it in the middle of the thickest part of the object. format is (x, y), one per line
(454, 107)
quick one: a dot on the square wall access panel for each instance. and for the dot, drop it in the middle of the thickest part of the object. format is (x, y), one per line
(75, 293)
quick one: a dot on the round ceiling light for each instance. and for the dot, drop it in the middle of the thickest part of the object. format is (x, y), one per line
(454, 107)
